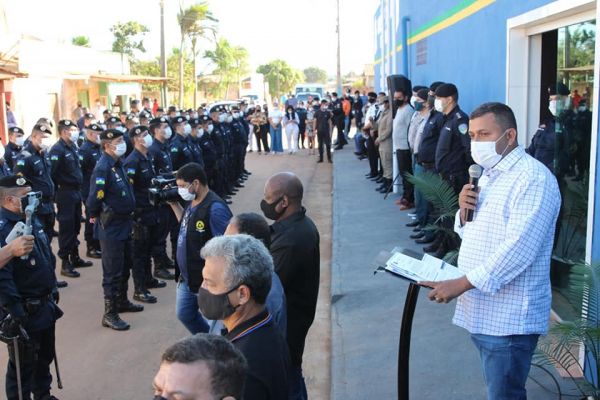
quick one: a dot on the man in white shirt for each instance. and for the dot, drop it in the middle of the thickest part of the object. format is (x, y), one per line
(504, 297)
(402, 119)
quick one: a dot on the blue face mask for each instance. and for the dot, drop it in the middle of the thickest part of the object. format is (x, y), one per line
(418, 106)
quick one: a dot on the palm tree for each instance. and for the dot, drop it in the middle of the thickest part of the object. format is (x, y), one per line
(194, 23)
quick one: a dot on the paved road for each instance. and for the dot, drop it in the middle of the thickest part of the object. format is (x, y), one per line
(97, 363)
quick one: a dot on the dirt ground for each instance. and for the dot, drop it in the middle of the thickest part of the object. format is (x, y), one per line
(98, 363)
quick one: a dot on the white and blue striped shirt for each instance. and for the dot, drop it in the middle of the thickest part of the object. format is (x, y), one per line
(506, 250)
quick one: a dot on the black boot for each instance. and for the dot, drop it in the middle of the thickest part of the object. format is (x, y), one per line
(163, 273)
(442, 250)
(163, 262)
(111, 318)
(433, 247)
(155, 284)
(93, 252)
(124, 305)
(380, 179)
(78, 262)
(66, 269)
(144, 296)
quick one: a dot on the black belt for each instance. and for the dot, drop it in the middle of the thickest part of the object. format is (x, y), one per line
(68, 187)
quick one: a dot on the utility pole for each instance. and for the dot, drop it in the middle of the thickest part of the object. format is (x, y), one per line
(163, 57)
(339, 68)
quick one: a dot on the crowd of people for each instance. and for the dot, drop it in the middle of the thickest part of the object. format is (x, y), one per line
(142, 177)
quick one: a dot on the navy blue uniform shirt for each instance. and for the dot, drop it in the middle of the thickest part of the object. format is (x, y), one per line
(181, 153)
(453, 153)
(65, 165)
(89, 154)
(34, 166)
(140, 171)
(161, 157)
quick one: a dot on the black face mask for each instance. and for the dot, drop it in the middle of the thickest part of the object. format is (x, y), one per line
(215, 306)
(372, 101)
(398, 102)
(159, 397)
(269, 209)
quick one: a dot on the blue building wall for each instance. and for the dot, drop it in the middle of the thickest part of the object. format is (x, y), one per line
(471, 53)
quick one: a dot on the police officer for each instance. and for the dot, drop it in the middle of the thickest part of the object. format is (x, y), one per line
(338, 120)
(5, 170)
(218, 184)
(146, 224)
(227, 137)
(161, 159)
(16, 140)
(181, 153)
(90, 153)
(144, 118)
(323, 126)
(85, 121)
(209, 155)
(111, 205)
(28, 298)
(118, 124)
(66, 173)
(239, 143)
(194, 140)
(453, 152)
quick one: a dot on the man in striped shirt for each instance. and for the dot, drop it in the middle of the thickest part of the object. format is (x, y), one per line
(504, 297)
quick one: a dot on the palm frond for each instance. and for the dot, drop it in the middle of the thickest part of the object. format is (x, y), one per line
(437, 191)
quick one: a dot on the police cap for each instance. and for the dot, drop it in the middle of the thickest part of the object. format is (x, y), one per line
(130, 117)
(159, 120)
(194, 122)
(446, 90)
(42, 128)
(110, 134)
(15, 129)
(89, 116)
(66, 123)
(560, 89)
(205, 119)
(435, 85)
(144, 115)
(94, 127)
(13, 181)
(178, 120)
(137, 131)
(113, 120)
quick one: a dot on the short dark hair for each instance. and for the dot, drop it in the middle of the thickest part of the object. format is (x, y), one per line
(192, 171)
(502, 113)
(226, 363)
(254, 225)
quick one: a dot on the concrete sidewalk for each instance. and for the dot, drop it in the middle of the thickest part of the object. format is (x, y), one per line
(367, 309)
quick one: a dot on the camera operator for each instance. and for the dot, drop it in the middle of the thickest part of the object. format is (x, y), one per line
(161, 159)
(146, 223)
(28, 294)
(205, 216)
(111, 203)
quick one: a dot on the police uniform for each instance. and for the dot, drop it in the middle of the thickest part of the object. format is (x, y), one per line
(5, 170)
(84, 122)
(89, 153)
(34, 166)
(239, 144)
(28, 293)
(161, 160)
(209, 155)
(542, 144)
(193, 141)
(322, 118)
(338, 122)
(146, 224)
(111, 203)
(12, 150)
(218, 184)
(181, 153)
(112, 121)
(65, 164)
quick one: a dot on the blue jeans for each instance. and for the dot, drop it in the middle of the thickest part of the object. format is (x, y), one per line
(296, 384)
(186, 307)
(506, 361)
(276, 141)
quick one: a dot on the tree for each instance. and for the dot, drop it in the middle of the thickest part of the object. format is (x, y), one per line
(194, 23)
(82, 41)
(147, 68)
(231, 62)
(129, 36)
(315, 75)
(281, 77)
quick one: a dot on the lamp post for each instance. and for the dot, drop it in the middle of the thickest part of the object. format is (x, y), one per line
(339, 68)
(163, 57)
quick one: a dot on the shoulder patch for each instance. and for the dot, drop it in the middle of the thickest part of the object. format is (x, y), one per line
(100, 181)
(100, 194)
(463, 128)
(53, 158)
(130, 171)
(21, 162)
(174, 149)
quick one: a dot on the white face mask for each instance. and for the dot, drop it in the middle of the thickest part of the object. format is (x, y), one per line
(20, 140)
(148, 141)
(582, 108)
(229, 119)
(121, 129)
(120, 149)
(2, 151)
(484, 153)
(187, 129)
(97, 140)
(46, 143)
(74, 136)
(185, 194)
(413, 100)
(552, 107)
(236, 115)
(438, 105)
(200, 132)
(222, 118)
(210, 128)
(168, 132)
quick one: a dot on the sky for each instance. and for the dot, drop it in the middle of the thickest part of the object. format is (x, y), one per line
(301, 32)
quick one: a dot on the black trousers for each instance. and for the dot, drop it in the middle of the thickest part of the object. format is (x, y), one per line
(116, 256)
(35, 357)
(47, 221)
(373, 155)
(88, 232)
(264, 137)
(339, 126)
(68, 204)
(301, 135)
(324, 141)
(404, 159)
(145, 237)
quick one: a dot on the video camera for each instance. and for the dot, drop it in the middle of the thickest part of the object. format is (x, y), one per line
(163, 190)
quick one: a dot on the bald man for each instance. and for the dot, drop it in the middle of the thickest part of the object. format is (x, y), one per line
(296, 257)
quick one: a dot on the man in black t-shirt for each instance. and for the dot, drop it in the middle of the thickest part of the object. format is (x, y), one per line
(323, 125)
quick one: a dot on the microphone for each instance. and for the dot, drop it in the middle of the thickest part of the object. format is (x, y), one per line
(475, 172)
